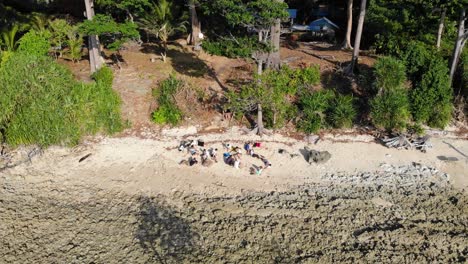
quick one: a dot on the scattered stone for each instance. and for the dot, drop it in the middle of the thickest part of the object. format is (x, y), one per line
(317, 156)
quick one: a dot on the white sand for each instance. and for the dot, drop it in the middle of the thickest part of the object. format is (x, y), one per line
(151, 165)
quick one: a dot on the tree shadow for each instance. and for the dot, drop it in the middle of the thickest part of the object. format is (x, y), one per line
(184, 62)
(163, 234)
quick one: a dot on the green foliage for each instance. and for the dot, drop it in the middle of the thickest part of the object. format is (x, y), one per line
(389, 74)
(417, 57)
(128, 8)
(275, 90)
(167, 112)
(259, 14)
(59, 29)
(158, 20)
(35, 43)
(241, 47)
(9, 38)
(431, 99)
(107, 102)
(314, 107)
(342, 112)
(75, 42)
(43, 104)
(112, 34)
(391, 110)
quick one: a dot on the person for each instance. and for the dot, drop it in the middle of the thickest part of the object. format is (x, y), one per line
(192, 150)
(213, 153)
(236, 162)
(193, 161)
(227, 146)
(249, 149)
(266, 162)
(259, 170)
(204, 155)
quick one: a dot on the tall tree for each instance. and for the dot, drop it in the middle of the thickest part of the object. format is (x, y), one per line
(95, 59)
(357, 41)
(460, 42)
(349, 28)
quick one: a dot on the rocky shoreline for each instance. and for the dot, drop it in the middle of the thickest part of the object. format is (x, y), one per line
(397, 215)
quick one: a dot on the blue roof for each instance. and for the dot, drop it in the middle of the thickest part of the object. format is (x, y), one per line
(322, 22)
(292, 13)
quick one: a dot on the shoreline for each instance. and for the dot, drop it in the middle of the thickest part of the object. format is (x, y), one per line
(152, 166)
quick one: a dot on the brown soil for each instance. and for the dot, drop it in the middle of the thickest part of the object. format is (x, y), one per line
(141, 68)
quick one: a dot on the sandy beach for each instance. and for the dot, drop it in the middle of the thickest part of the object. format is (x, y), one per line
(152, 166)
(131, 201)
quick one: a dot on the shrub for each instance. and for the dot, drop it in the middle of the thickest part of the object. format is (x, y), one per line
(389, 73)
(43, 104)
(342, 111)
(314, 107)
(416, 58)
(35, 43)
(391, 110)
(75, 41)
(167, 112)
(238, 48)
(431, 100)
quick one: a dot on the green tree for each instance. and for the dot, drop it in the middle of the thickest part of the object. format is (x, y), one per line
(130, 8)
(431, 99)
(259, 15)
(272, 92)
(159, 22)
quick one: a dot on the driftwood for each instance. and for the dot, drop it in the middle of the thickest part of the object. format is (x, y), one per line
(401, 141)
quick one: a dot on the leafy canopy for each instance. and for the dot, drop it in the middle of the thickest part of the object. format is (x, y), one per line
(112, 34)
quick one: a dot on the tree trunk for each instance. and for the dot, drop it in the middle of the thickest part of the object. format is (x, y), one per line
(195, 24)
(95, 59)
(347, 40)
(441, 28)
(357, 41)
(260, 127)
(274, 60)
(260, 67)
(457, 50)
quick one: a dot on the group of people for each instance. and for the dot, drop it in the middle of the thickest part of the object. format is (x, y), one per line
(232, 155)
(207, 156)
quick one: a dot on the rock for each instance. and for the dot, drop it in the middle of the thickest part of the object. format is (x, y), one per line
(318, 156)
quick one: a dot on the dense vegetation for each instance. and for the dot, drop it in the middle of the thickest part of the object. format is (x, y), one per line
(167, 112)
(43, 104)
(413, 83)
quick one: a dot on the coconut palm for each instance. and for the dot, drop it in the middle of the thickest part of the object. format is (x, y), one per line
(159, 22)
(8, 38)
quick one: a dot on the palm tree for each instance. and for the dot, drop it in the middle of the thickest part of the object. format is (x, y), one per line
(8, 37)
(159, 22)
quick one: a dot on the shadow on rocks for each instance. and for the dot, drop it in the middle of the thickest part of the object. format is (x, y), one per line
(163, 234)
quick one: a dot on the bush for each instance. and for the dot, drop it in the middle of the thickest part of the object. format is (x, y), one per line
(431, 100)
(167, 112)
(416, 58)
(42, 103)
(342, 112)
(391, 110)
(314, 107)
(389, 74)
(35, 43)
(239, 48)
